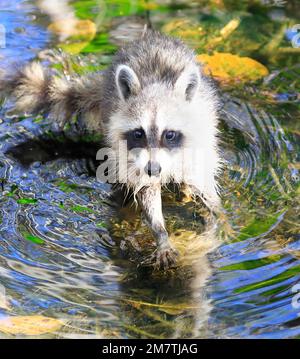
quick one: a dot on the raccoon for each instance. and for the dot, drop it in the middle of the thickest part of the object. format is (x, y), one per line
(155, 97)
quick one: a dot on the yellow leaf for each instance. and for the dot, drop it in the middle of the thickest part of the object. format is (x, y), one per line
(230, 27)
(84, 30)
(183, 28)
(149, 5)
(176, 310)
(30, 325)
(167, 307)
(230, 68)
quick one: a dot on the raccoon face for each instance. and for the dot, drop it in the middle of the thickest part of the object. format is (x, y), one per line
(158, 121)
(156, 145)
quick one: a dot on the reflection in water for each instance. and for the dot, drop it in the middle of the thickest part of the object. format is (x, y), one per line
(171, 304)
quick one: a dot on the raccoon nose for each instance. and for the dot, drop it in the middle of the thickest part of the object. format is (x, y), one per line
(153, 168)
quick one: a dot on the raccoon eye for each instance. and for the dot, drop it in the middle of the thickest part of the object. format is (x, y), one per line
(170, 135)
(138, 134)
(172, 139)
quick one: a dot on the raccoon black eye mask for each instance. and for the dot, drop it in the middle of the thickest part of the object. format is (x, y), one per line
(138, 139)
(155, 97)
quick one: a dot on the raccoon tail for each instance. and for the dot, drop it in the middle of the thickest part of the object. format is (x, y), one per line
(28, 86)
(35, 90)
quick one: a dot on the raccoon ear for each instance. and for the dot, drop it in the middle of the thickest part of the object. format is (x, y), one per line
(188, 82)
(127, 82)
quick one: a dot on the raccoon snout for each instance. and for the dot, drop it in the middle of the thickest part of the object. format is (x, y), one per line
(153, 169)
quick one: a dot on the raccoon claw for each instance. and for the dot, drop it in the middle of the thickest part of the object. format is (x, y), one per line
(165, 258)
(162, 258)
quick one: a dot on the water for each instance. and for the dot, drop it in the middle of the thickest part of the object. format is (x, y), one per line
(66, 251)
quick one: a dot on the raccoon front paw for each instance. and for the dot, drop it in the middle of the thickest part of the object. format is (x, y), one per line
(165, 258)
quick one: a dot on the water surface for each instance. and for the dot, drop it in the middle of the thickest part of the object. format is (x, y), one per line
(66, 251)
